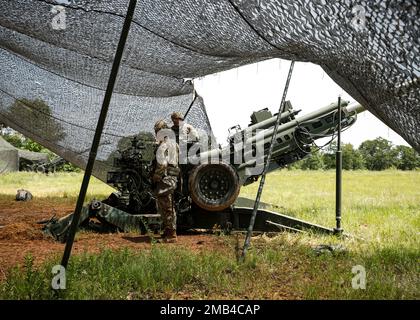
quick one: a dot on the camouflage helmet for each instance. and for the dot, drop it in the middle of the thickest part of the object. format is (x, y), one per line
(160, 124)
(177, 115)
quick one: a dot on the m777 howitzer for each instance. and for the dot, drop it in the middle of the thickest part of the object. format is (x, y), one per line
(210, 180)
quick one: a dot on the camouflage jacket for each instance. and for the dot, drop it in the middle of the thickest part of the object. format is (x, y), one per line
(185, 132)
(167, 158)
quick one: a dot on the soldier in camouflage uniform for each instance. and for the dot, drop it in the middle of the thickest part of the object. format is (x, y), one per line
(182, 129)
(165, 178)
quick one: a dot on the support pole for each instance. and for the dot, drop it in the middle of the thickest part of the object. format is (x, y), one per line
(338, 174)
(267, 163)
(98, 131)
(191, 104)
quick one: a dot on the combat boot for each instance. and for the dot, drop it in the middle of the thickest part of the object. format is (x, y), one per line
(169, 236)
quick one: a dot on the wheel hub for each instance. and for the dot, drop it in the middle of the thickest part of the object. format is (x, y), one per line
(214, 185)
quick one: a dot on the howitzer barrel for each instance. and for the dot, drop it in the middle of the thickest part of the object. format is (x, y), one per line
(250, 136)
(357, 108)
(215, 182)
(315, 122)
(240, 136)
(316, 125)
(261, 136)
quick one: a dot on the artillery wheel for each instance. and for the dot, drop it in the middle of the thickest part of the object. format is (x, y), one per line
(40, 169)
(214, 186)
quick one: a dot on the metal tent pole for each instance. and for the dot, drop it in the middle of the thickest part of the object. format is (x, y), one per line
(338, 174)
(267, 163)
(191, 104)
(98, 131)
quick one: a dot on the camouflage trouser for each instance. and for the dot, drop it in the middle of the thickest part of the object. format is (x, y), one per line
(165, 201)
(165, 207)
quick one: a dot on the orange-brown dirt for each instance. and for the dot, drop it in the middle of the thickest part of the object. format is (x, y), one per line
(20, 235)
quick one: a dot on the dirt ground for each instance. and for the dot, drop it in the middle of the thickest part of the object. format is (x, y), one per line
(20, 235)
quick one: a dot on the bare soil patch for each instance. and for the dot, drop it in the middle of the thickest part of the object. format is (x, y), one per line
(21, 235)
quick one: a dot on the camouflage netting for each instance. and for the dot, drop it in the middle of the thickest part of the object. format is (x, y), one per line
(54, 76)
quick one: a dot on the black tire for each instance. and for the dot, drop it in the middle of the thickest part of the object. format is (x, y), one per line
(40, 169)
(213, 186)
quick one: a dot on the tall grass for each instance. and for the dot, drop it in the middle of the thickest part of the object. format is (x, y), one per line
(284, 268)
(377, 206)
(157, 273)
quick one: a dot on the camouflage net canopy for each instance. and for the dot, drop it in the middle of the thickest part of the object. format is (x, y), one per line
(56, 56)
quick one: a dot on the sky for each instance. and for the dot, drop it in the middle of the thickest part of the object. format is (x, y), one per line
(231, 97)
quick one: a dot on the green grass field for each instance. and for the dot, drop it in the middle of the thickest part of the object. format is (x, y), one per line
(58, 187)
(383, 208)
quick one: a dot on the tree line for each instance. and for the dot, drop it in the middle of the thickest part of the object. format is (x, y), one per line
(378, 154)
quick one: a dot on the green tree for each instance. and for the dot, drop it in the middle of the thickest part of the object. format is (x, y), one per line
(328, 156)
(19, 141)
(40, 117)
(352, 159)
(407, 158)
(33, 146)
(15, 140)
(295, 166)
(313, 161)
(378, 154)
